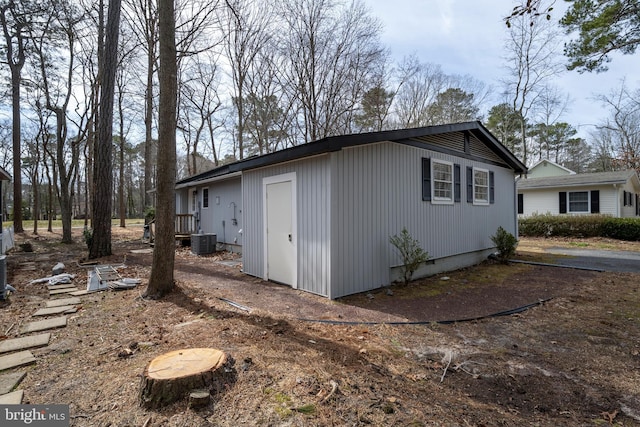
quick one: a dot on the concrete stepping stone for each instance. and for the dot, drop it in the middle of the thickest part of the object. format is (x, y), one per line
(66, 309)
(23, 343)
(13, 398)
(63, 291)
(43, 325)
(63, 301)
(10, 381)
(14, 360)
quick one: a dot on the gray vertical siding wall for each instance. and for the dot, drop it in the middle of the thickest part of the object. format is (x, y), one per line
(218, 217)
(313, 217)
(351, 201)
(378, 192)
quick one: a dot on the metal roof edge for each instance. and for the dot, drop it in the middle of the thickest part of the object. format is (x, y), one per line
(339, 142)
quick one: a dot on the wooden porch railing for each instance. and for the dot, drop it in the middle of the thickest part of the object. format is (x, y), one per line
(185, 225)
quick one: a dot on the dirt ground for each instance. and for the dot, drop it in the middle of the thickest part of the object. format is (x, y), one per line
(386, 358)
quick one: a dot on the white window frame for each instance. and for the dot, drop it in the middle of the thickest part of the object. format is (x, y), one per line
(476, 200)
(206, 189)
(439, 199)
(570, 211)
(194, 199)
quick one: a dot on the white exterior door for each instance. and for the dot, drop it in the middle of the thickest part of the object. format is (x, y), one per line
(280, 229)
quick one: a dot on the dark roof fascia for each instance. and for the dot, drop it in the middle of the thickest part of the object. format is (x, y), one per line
(337, 143)
(211, 173)
(483, 134)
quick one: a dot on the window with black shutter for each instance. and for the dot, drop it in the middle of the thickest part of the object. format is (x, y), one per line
(562, 202)
(520, 203)
(595, 201)
(426, 179)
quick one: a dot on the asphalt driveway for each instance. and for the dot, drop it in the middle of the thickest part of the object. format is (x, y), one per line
(616, 261)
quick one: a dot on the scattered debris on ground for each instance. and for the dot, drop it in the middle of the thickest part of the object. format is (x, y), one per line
(572, 361)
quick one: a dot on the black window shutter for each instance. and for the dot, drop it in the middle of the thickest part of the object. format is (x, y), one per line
(426, 179)
(520, 203)
(595, 201)
(492, 188)
(469, 184)
(563, 201)
(456, 183)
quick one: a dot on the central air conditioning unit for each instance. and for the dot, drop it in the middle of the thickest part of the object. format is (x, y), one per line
(202, 244)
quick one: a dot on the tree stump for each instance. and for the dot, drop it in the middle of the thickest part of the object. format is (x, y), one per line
(173, 376)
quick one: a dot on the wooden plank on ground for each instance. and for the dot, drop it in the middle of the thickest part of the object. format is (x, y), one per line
(61, 286)
(82, 292)
(66, 309)
(14, 360)
(63, 291)
(23, 343)
(43, 325)
(10, 380)
(13, 398)
(63, 301)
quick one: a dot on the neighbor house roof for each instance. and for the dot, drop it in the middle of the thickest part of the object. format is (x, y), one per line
(549, 162)
(580, 180)
(4, 175)
(337, 143)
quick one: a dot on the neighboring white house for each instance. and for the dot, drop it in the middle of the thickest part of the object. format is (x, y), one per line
(609, 193)
(318, 216)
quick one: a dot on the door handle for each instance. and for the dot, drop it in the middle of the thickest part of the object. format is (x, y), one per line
(290, 238)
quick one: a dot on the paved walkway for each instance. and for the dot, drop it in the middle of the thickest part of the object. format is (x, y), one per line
(618, 261)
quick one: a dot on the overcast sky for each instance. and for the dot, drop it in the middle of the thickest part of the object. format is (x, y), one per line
(467, 37)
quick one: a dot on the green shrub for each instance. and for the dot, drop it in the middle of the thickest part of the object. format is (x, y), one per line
(149, 214)
(580, 226)
(506, 244)
(411, 253)
(87, 234)
(621, 228)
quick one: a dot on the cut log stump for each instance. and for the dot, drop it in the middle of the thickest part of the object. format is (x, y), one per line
(173, 376)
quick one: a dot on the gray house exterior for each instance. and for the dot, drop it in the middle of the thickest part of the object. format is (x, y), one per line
(318, 217)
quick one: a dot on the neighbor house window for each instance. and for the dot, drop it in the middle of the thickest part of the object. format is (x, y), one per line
(578, 201)
(480, 186)
(205, 197)
(442, 181)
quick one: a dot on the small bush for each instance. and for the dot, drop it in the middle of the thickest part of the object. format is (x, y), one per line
(411, 253)
(149, 214)
(506, 244)
(87, 233)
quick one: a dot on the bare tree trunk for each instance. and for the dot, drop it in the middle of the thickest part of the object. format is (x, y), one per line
(148, 118)
(161, 280)
(121, 206)
(103, 165)
(17, 167)
(16, 60)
